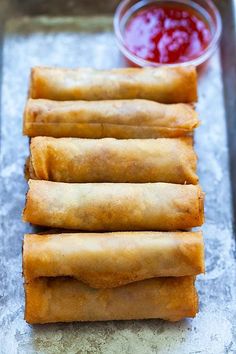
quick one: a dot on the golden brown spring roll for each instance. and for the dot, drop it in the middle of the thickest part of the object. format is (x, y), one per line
(166, 85)
(111, 160)
(67, 299)
(114, 206)
(106, 260)
(122, 119)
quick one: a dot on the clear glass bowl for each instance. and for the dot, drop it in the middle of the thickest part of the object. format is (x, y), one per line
(205, 8)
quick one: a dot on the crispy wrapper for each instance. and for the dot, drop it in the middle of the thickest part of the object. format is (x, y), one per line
(114, 206)
(67, 299)
(105, 260)
(122, 119)
(166, 85)
(111, 160)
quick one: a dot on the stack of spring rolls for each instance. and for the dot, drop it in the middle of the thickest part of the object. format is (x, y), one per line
(111, 156)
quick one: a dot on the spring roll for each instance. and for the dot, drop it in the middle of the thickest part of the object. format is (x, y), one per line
(122, 119)
(114, 206)
(106, 260)
(166, 85)
(67, 299)
(111, 160)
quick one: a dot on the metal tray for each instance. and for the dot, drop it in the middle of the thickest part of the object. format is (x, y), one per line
(87, 40)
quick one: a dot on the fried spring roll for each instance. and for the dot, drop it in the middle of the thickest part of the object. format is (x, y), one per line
(166, 85)
(114, 206)
(67, 299)
(111, 160)
(113, 259)
(122, 119)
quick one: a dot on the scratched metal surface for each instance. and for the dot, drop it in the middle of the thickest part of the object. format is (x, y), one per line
(90, 42)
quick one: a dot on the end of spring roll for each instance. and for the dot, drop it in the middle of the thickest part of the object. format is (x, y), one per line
(66, 299)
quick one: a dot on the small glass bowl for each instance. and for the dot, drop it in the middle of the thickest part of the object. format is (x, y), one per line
(206, 10)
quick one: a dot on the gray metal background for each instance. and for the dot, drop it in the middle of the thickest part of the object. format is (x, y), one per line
(89, 41)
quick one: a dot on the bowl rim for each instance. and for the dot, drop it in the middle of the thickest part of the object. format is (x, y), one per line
(208, 51)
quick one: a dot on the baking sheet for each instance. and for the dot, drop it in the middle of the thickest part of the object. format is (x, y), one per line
(89, 41)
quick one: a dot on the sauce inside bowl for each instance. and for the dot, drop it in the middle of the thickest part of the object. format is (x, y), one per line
(165, 34)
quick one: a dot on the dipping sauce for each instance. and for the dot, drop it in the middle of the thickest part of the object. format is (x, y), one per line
(164, 34)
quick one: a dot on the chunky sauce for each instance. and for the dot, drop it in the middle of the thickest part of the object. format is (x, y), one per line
(166, 34)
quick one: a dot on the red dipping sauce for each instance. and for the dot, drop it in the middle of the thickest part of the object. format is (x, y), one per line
(164, 34)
